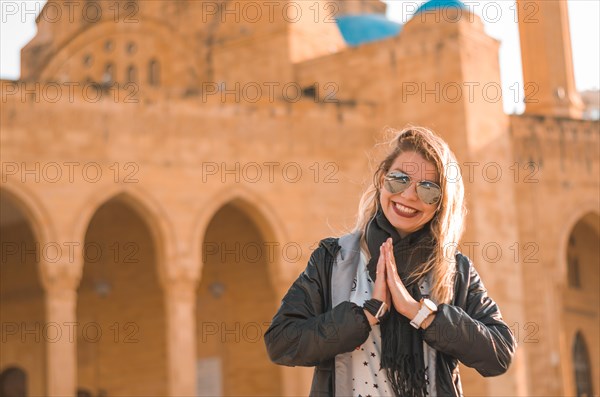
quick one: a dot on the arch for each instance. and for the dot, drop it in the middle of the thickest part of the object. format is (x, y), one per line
(120, 293)
(154, 72)
(37, 215)
(84, 393)
(236, 297)
(22, 297)
(131, 74)
(143, 204)
(581, 366)
(109, 73)
(257, 210)
(578, 307)
(13, 382)
(581, 211)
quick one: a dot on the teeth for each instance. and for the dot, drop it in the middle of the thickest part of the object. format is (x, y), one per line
(404, 209)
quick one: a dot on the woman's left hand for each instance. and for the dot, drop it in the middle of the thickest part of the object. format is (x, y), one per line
(404, 303)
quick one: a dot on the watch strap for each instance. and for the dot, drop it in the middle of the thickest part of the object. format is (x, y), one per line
(422, 314)
(376, 307)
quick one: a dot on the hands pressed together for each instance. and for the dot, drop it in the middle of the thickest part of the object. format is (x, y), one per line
(389, 287)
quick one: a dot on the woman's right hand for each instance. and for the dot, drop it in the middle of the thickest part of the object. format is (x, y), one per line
(380, 290)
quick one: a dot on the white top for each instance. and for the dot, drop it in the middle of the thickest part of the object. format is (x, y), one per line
(367, 378)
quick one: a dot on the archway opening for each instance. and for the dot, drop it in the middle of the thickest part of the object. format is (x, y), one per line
(121, 346)
(13, 382)
(580, 303)
(235, 303)
(24, 330)
(581, 364)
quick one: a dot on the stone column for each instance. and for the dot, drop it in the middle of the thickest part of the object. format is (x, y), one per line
(180, 295)
(60, 284)
(547, 59)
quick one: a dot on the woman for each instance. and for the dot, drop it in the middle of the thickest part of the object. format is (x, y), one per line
(391, 308)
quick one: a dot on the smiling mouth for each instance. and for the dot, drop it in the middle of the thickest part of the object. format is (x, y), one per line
(404, 211)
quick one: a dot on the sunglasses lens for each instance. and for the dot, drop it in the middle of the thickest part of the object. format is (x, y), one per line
(428, 192)
(397, 182)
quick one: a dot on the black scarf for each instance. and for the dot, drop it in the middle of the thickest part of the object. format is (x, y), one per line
(402, 344)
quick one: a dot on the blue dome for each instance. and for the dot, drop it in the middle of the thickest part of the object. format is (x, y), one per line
(365, 28)
(436, 4)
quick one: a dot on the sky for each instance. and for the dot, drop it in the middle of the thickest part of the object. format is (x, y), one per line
(499, 19)
(498, 16)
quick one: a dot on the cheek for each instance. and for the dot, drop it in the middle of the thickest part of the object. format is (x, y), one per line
(429, 213)
(383, 197)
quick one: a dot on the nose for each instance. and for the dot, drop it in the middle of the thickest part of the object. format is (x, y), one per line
(411, 192)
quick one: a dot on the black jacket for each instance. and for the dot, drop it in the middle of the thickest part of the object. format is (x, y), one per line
(307, 331)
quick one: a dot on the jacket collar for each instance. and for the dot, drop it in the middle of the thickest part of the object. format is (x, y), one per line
(347, 246)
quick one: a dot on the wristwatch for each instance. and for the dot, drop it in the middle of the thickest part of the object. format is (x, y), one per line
(427, 307)
(376, 307)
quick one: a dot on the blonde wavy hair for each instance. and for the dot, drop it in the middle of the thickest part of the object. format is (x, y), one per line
(448, 222)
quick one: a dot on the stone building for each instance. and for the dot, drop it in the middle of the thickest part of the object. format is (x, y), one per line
(168, 166)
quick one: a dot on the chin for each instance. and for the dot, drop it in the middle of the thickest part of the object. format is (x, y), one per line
(405, 226)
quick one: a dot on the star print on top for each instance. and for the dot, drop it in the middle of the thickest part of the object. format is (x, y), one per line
(367, 378)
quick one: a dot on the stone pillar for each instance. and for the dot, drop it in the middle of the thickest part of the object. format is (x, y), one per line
(547, 58)
(180, 295)
(60, 284)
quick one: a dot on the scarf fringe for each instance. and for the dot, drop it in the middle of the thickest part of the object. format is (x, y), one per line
(402, 345)
(402, 357)
(404, 380)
